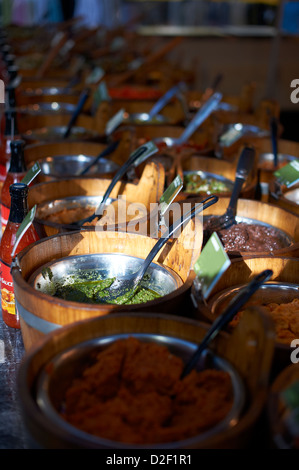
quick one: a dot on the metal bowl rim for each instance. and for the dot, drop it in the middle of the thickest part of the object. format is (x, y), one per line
(53, 415)
(177, 280)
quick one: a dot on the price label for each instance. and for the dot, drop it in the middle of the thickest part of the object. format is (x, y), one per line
(115, 121)
(231, 135)
(101, 94)
(23, 228)
(289, 174)
(211, 265)
(170, 194)
(31, 174)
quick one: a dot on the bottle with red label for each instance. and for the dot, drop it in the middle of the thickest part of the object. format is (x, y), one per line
(16, 172)
(10, 133)
(18, 211)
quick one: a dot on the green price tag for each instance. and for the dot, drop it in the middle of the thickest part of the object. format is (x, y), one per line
(115, 121)
(289, 174)
(95, 76)
(101, 94)
(23, 228)
(211, 265)
(31, 174)
(170, 194)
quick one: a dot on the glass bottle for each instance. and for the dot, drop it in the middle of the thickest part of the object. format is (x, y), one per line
(18, 211)
(15, 174)
(10, 132)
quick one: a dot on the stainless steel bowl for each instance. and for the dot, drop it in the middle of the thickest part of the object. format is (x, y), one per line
(271, 291)
(64, 166)
(71, 202)
(214, 176)
(292, 195)
(268, 157)
(144, 118)
(56, 376)
(103, 266)
(52, 134)
(47, 108)
(286, 238)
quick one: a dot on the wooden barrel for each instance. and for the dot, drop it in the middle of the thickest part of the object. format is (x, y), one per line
(263, 213)
(40, 312)
(249, 350)
(146, 192)
(285, 271)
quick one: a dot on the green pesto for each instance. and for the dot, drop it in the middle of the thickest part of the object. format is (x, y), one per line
(194, 183)
(97, 292)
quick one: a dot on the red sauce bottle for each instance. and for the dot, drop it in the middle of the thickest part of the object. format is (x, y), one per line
(18, 211)
(10, 132)
(16, 172)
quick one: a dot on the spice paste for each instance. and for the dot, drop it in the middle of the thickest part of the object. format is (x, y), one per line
(133, 393)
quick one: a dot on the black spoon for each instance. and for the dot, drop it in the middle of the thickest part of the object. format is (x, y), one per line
(82, 100)
(233, 308)
(107, 151)
(135, 159)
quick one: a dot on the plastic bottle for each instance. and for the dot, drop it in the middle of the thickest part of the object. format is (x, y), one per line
(18, 211)
(15, 174)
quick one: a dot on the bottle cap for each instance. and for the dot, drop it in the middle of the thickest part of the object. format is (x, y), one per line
(18, 190)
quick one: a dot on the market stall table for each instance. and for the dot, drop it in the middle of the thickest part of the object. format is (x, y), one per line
(12, 432)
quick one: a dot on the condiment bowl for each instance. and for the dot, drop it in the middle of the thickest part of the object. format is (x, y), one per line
(48, 367)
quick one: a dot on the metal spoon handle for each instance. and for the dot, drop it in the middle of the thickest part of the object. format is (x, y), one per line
(202, 114)
(165, 99)
(133, 159)
(74, 117)
(183, 220)
(233, 308)
(245, 165)
(103, 154)
(273, 127)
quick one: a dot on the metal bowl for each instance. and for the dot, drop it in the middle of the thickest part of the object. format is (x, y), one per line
(214, 176)
(56, 376)
(144, 118)
(52, 134)
(271, 291)
(286, 238)
(47, 108)
(103, 266)
(267, 159)
(68, 203)
(64, 166)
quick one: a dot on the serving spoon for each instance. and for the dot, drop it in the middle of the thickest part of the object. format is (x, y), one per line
(232, 309)
(161, 103)
(226, 220)
(123, 289)
(202, 114)
(82, 100)
(135, 159)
